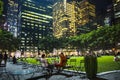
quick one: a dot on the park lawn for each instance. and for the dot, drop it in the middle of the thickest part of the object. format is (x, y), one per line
(105, 63)
(29, 60)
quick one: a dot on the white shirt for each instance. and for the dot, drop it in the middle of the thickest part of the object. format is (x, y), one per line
(43, 62)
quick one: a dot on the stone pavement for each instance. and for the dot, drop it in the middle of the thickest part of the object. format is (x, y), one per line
(111, 75)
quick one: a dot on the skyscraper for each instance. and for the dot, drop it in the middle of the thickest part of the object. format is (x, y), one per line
(1, 7)
(64, 19)
(85, 16)
(12, 16)
(109, 16)
(33, 21)
(2, 15)
(72, 17)
(117, 11)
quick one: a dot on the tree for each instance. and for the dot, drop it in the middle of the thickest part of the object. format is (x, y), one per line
(103, 38)
(48, 44)
(8, 41)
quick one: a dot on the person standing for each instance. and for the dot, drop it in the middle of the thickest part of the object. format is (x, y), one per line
(5, 58)
(1, 57)
(14, 60)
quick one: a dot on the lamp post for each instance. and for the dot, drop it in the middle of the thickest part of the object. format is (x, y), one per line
(25, 43)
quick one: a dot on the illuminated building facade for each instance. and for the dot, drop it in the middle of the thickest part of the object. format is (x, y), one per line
(117, 11)
(33, 21)
(1, 12)
(3, 15)
(1, 7)
(72, 17)
(85, 16)
(12, 16)
(63, 19)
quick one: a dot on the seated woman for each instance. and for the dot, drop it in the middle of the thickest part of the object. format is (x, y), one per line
(45, 63)
(63, 61)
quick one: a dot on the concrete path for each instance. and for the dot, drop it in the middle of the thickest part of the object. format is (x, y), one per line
(111, 75)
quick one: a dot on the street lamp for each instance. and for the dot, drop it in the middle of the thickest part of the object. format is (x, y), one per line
(25, 42)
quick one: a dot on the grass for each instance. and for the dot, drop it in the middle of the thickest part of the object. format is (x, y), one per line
(29, 60)
(105, 63)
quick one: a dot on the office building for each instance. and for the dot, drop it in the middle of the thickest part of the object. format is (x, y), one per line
(63, 19)
(73, 17)
(109, 16)
(30, 20)
(12, 16)
(117, 11)
(1, 7)
(85, 16)
(3, 10)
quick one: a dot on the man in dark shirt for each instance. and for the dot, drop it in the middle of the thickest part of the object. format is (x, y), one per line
(1, 57)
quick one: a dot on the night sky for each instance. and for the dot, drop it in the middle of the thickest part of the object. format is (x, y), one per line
(102, 4)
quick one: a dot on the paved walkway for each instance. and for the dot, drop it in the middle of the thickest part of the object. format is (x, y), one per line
(112, 75)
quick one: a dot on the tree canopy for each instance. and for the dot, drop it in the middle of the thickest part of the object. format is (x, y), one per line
(106, 37)
(8, 41)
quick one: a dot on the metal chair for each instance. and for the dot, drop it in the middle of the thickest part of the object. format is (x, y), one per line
(80, 67)
(3, 72)
(73, 63)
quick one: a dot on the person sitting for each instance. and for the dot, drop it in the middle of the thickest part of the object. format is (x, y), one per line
(63, 61)
(45, 63)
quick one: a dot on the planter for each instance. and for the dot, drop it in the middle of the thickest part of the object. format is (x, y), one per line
(91, 66)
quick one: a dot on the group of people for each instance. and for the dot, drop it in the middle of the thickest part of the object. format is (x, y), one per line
(3, 58)
(61, 63)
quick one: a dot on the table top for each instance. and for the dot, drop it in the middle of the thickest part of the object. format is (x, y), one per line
(22, 72)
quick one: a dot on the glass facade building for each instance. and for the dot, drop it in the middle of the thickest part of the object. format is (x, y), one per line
(12, 16)
(117, 11)
(33, 21)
